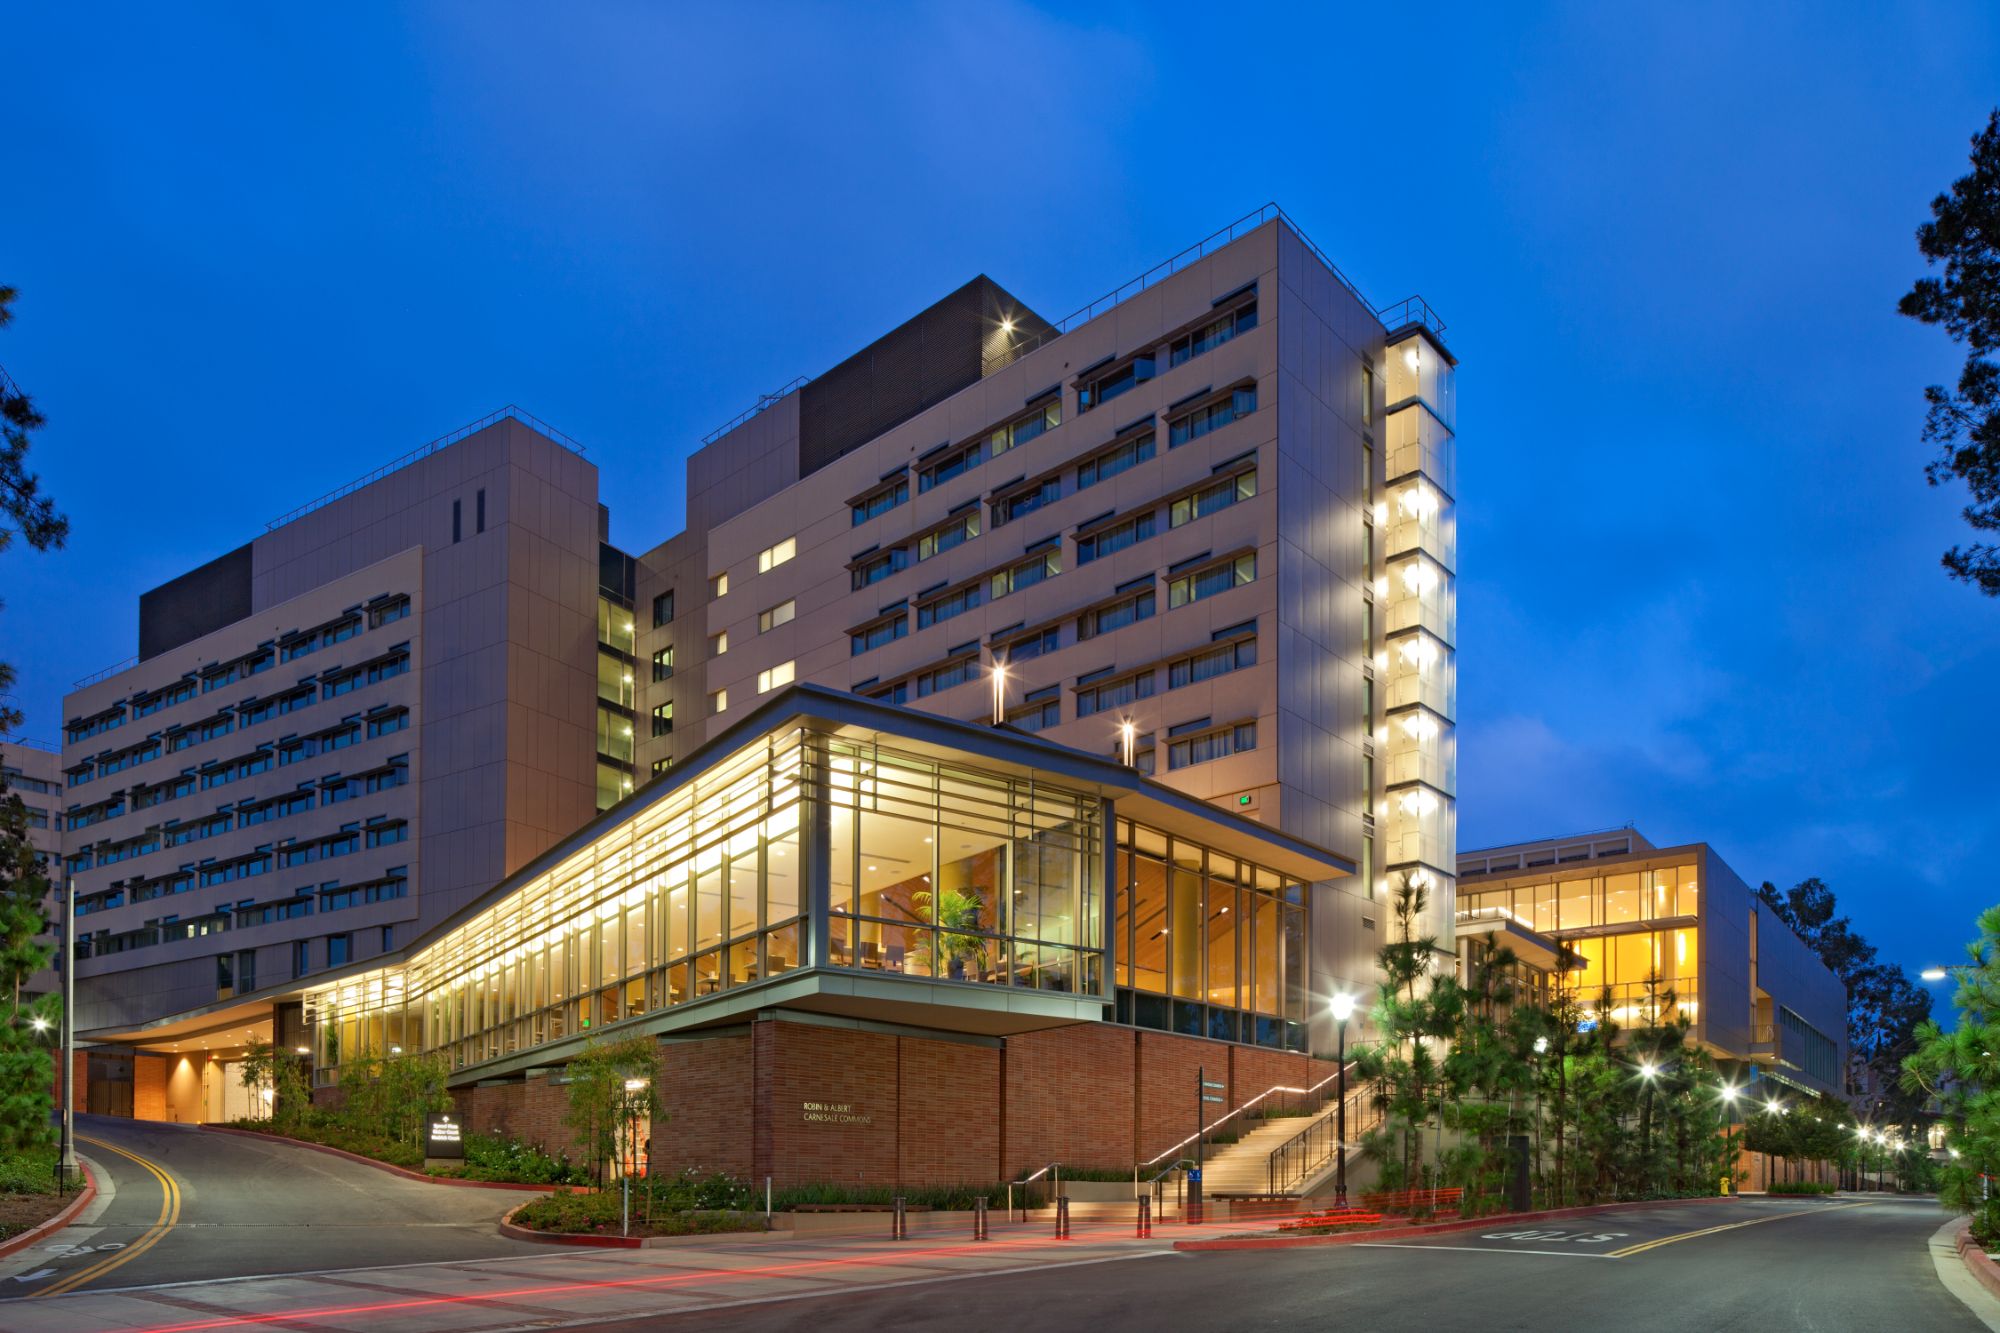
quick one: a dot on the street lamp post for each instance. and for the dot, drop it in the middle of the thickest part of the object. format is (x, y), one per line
(1343, 1009)
(1541, 1052)
(1729, 1094)
(66, 1167)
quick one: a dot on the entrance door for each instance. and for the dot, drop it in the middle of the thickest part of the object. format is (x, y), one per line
(108, 1085)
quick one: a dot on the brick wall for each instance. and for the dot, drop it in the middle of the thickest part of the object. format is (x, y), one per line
(708, 1098)
(947, 1113)
(829, 1067)
(1069, 1097)
(79, 1084)
(1168, 1067)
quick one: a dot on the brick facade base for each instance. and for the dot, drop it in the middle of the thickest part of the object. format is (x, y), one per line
(805, 1103)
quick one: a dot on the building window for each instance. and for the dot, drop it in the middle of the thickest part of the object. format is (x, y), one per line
(1213, 416)
(718, 643)
(781, 614)
(879, 502)
(662, 765)
(1019, 432)
(771, 557)
(1127, 610)
(388, 612)
(718, 701)
(939, 679)
(615, 684)
(870, 637)
(718, 586)
(614, 735)
(1185, 749)
(898, 693)
(957, 532)
(774, 677)
(1117, 537)
(340, 948)
(875, 568)
(1026, 502)
(1038, 710)
(954, 464)
(663, 609)
(1200, 583)
(1095, 694)
(457, 525)
(1212, 662)
(1217, 495)
(1102, 389)
(663, 664)
(1037, 568)
(615, 629)
(1189, 346)
(954, 603)
(301, 958)
(479, 511)
(1033, 645)
(1111, 462)
(663, 719)
(1367, 395)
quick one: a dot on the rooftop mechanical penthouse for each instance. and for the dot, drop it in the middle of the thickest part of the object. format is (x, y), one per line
(1199, 534)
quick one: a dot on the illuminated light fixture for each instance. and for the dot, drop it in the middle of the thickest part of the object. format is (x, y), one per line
(1382, 586)
(1006, 326)
(1418, 501)
(1420, 577)
(1421, 879)
(1418, 803)
(1541, 1046)
(1418, 652)
(1648, 1070)
(1421, 725)
(39, 1023)
(1730, 1092)
(1381, 511)
(1410, 358)
(1932, 974)
(1342, 1005)
(1127, 740)
(999, 693)
(395, 1050)
(634, 1084)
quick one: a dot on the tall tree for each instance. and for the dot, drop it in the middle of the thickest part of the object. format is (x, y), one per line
(25, 511)
(1964, 423)
(1884, 1007)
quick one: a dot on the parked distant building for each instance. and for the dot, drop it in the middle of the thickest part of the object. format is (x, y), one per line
(1753, 993)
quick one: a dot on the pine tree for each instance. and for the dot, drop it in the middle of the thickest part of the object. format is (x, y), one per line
(27, 1069)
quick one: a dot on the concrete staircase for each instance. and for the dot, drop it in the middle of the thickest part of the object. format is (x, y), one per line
(1243, 1167)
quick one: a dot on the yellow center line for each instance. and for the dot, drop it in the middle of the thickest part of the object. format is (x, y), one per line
(170, 1213)
(1727, 1226)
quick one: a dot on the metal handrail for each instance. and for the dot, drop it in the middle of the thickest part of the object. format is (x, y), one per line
(423, 451)
(1314, 1090)
(764, 400)
(1410, 310)
(1125, 291)
(107, 672)
(1300, 1144)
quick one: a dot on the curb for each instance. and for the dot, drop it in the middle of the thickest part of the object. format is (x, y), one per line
(512, 1232)
(43, 1230)
(1433, 1228)
(391, 1168)
(1976, 1260)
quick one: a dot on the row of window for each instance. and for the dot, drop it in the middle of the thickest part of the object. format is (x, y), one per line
(351, 837)
(287, 648)
(394, 663)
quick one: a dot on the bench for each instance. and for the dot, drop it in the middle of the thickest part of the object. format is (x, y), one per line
(1333, 1217)
(1413, 1201)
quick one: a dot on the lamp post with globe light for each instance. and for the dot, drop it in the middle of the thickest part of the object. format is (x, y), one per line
(1342, 1005)
(1730, 1092)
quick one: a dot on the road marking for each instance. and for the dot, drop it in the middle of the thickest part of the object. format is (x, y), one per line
(170, 1213)
(1643, 1246)
(1479, 1249)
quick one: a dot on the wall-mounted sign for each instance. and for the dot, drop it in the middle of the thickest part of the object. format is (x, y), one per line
(444, 1135)
(835, 1113)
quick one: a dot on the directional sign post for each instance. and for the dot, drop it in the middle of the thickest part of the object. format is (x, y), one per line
(1204, 1090)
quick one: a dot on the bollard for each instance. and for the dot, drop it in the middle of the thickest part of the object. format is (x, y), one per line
(979, 1218)
(1145, 1216)
(1062, 1218)
(899, 1221)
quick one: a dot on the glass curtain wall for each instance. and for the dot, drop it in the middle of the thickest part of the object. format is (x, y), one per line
(1208, 945)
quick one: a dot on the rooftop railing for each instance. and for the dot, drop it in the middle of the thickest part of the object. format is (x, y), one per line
(107, 672)
(1152, 277)
(510, 411)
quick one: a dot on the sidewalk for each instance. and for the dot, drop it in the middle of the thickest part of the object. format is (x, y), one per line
(571, 1286)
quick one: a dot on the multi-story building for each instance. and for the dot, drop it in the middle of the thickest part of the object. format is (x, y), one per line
(1660, 931)
(1207, 523)
(1189, 551)
(340, 732)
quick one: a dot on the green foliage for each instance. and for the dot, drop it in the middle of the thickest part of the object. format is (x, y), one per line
(958, 913)
(31, 1172)
(1964, 424)
(283, 1075)
(600, 1213)
(27, 1064)
(1959, 1070)
(950, 1197)
(606, 1114)
(1802, 1187)
(391, 1095)
(490, 1158)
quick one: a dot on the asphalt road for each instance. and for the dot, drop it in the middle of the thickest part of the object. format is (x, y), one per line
(189, 1205)
(1798, 1264)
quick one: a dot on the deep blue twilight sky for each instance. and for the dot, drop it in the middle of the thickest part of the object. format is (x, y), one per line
(262, 250)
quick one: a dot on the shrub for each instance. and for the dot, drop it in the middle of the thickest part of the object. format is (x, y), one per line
(28, 1172)
(587, 1214)
(1800, 1187)
(488, 1157)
